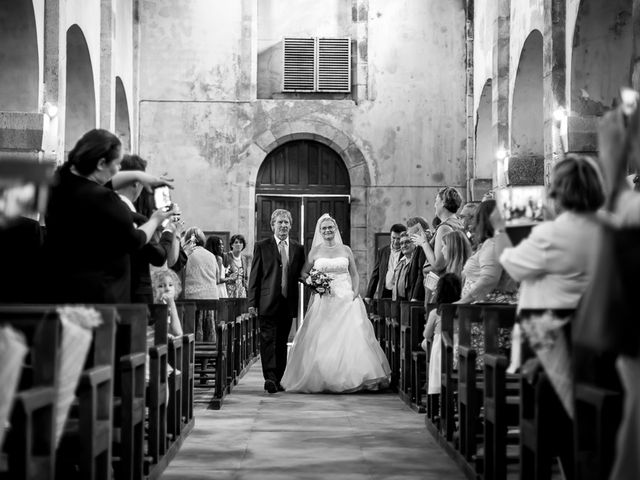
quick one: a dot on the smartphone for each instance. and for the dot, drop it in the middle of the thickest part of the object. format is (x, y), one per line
(162, 198)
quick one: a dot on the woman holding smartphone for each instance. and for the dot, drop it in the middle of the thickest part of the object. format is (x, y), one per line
(89, 229)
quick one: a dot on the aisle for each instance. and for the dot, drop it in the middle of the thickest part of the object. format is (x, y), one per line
(293, 436)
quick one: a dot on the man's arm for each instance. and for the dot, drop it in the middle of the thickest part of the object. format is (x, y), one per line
(375, 275)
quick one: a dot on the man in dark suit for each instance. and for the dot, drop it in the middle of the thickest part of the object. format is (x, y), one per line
(381, 281)
(273, 295)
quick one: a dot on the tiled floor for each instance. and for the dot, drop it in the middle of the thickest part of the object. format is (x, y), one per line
(296, 436)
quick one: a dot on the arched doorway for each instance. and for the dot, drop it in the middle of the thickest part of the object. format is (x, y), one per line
(123, 128)
(18, 57)
(483, 172)
(80, 106)
(527, 132)
(307, 178)
(600, 58)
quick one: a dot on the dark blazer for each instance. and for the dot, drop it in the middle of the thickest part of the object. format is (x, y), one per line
(89, 238)
(266, 277)
(379, 273)
(415, 277)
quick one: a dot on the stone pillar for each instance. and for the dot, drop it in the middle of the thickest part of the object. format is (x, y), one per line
(635, 61)
(469, 28)
(107, 81)
(500, 84)
(248, 81)
(135, 74)
(554, 81)
(55, 79)
(360, 22)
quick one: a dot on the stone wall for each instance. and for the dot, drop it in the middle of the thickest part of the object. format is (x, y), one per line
(203, 120)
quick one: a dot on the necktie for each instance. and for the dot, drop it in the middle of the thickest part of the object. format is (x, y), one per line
(282, 247)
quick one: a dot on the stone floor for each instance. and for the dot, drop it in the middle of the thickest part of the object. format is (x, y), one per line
(296, 436)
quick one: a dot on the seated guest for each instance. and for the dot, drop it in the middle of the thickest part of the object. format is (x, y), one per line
(238, 264)
(166, 289)
(447, 291)
(215, 245)
(554, 266)
(201, 272)
(466, 214)
(381, 281)
(90, 233)
(407, 271)
(484, 278)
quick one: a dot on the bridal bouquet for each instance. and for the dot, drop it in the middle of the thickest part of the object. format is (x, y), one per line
(319, 282)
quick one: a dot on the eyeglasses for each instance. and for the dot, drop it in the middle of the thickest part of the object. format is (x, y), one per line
(406, 242)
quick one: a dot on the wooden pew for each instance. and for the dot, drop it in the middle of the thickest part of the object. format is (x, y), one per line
(86, 440)
(129, 390)
(470, 383)
(449, 383)
(187, 313)
(501, 393)
(211, 351)
(157, 392)
(412, 320)
(30, 444)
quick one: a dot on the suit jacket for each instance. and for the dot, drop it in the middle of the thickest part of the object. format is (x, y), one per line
(265, 278)
(415, 277)
(379, 273)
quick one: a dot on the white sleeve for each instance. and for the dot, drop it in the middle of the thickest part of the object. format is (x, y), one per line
(529, 258)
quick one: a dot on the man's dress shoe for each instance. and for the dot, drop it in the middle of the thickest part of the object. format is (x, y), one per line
(280, 387)
(270, 386)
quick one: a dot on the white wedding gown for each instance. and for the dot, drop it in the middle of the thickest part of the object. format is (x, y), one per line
(336, 349)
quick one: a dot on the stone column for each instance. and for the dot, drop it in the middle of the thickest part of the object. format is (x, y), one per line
(360, 23)
(107, 81)
(135, 74)
(469, 28)
(55, 79)
(635, 61)
(500, 83)
(248, 81)
(554, 81)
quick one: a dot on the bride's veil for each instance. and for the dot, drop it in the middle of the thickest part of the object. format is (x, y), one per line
(317, 236)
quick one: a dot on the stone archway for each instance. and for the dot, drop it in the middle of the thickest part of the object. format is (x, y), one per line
(80, 107)
(122, 124)
(526, 163)
(355, 162)
(19, 66)
(483, 172)
(601, 55)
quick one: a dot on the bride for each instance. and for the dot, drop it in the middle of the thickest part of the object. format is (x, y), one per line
(335, 350)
